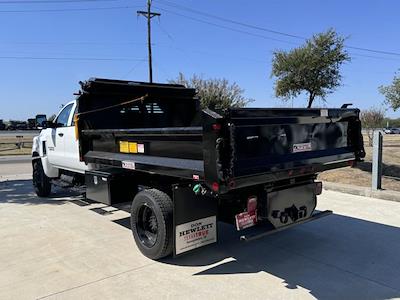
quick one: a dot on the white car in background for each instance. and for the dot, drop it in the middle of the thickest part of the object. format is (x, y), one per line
(391, 130)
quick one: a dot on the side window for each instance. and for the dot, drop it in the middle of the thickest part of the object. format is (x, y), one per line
(62, 119)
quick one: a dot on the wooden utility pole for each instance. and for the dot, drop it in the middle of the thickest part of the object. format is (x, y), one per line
(149, 15)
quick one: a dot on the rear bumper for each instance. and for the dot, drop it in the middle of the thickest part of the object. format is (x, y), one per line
(315, 216)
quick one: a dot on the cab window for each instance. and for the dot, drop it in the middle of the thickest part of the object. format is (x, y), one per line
(62, 119)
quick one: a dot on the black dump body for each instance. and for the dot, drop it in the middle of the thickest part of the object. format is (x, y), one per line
(160, 129)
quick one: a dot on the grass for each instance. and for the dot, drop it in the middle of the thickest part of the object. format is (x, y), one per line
(9, 145)
(361, 174)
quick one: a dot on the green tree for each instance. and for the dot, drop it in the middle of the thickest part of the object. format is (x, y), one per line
(214, 92)
(313, 68)
(392, 93)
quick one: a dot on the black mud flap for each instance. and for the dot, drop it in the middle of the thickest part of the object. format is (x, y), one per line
(195, 219)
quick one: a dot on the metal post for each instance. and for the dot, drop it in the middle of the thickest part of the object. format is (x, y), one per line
(377, 161)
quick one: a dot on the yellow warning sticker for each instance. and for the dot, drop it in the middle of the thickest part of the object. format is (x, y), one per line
(133, 147)
(123, 147)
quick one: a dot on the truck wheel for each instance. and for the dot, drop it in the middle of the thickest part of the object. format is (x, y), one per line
(151, 223)
(41, 182)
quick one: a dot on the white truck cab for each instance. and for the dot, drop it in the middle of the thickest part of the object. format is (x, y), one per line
(56, 149)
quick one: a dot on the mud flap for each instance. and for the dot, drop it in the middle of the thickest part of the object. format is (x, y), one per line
(195, 219)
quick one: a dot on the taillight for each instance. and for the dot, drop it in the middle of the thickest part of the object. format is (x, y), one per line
(216, 127)
(251, 204)
(215, 186)
(318, 188)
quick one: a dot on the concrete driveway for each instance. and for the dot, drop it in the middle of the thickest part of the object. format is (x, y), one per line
(65, 248)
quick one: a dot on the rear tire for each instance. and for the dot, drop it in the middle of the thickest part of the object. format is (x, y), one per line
(41, 182)
(151, 223)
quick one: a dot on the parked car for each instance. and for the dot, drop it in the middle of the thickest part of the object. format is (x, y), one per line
(391, 130)
(2, 125)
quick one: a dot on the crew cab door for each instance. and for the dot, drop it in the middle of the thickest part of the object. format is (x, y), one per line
(56, 141)
(71, 148)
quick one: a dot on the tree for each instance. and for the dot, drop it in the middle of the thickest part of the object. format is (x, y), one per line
(372, 119)
(392, 93)
(214, 92)
(51, 118)
(313, 68)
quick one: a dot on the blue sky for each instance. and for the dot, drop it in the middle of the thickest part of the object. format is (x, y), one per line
(182, 44)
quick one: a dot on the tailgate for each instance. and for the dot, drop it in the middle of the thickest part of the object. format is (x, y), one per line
(287, 142)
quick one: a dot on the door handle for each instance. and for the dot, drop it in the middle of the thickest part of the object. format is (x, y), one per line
(61, 134)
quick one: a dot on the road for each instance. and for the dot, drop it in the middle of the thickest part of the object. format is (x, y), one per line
(14, 166)
(64, 248)
(6, 133)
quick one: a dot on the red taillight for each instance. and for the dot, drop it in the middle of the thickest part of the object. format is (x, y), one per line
(216, 127)
(318, 188)
(351, 163)
(215, 186)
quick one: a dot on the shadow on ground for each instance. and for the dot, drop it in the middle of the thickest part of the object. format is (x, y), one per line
(337, 257)
(21, 192)
(387, 170)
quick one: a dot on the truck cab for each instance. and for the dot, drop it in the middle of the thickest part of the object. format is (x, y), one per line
(56, 148)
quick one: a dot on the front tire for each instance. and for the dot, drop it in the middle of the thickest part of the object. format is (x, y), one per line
(151, 223)
(41, 182)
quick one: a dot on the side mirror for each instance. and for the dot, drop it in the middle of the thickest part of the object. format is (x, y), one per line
(41, 121)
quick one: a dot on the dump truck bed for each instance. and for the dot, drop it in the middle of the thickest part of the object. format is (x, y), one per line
(160, 129)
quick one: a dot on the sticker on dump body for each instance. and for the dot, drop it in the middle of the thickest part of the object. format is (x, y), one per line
(127, 164)
(195, 234)
(303, 147)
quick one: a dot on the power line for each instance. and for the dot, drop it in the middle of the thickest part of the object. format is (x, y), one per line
(66, 9)
(267, 29)
(69, 58)
(230, 20)
(226, 27)
(52, 1)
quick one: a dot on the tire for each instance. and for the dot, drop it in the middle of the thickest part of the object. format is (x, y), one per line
(41, 182)
(151, 223)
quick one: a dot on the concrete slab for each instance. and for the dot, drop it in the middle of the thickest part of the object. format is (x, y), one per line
(60, 248)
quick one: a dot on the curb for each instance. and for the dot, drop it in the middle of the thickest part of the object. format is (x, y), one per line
(362, 191)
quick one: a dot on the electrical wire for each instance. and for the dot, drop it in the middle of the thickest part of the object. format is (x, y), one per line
(68, 58)
(171, 4)
(225, 27)
(52, 1)
(67, 9)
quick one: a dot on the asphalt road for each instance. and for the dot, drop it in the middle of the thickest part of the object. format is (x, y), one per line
(7, 133)
(64, 248)
(14, 166)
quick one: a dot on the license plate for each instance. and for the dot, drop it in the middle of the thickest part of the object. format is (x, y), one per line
(128, 165)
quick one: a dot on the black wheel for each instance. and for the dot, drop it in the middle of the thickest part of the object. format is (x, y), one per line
(151, 223)
(41, 182)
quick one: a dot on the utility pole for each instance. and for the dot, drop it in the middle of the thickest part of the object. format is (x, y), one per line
(149, 15)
